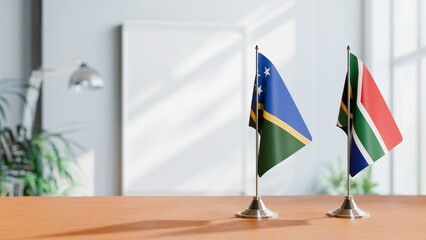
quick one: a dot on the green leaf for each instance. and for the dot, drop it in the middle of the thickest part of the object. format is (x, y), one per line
(5, 101)
(30, 182)
(68, 191)
(2, 113)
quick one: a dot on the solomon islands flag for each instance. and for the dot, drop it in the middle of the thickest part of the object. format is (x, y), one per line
(281, 126)
(373, 129)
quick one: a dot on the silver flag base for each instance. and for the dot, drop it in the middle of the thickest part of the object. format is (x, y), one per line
(257, 209)
(349, 209)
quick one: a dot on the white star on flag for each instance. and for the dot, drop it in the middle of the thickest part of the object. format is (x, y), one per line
(259, 90)
(266, 72)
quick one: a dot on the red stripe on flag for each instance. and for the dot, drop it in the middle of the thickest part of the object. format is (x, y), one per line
(379, 112)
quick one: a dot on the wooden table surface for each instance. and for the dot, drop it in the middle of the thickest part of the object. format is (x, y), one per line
(300, 217)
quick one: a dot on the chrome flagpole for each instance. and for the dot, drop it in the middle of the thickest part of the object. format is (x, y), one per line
(348, 209)
(257, 122)
(257, 208)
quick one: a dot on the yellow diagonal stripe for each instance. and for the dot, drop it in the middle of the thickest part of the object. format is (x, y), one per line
(343, 106)
(253, 114)
(285, 127)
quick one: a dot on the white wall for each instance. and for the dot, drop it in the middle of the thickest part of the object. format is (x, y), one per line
(15, 48)
(307, 39)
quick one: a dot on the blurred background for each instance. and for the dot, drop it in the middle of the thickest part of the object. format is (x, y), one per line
(172, 116)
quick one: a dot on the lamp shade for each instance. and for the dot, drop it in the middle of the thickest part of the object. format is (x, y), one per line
(86, 77)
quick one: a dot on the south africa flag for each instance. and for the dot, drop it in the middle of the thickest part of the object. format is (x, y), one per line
(373, 129)
(281, 127)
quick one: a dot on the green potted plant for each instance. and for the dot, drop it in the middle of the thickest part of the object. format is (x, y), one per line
(40, 164)
(334, 180)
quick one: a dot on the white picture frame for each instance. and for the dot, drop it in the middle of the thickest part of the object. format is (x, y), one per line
(184, 109)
